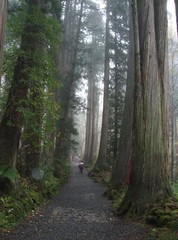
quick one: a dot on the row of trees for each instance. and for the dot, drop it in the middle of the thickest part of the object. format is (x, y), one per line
(140, 147)
(30, 104)
(53, 46)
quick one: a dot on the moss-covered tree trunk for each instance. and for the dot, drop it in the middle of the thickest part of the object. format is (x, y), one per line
(149, 171)
(12, 120)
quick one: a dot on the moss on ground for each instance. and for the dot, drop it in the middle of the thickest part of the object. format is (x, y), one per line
(161, 218)
(101, 176)
(27, 196)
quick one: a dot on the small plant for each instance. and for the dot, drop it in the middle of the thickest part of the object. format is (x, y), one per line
(8, 176)
(9, 173)
(29, 195)
(175, 189)
(2, 219)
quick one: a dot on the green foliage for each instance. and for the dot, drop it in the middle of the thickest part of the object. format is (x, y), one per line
(2, 219)
(163, 234)
(42, 33)
(9, 173)
(27, 196)
(45, 30)
(163, 214)
(101, 176)
(117, 197)
(174, 187)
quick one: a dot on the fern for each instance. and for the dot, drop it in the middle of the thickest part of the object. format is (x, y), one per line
(9, 173)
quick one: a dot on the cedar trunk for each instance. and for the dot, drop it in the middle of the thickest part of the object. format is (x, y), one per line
(65, 93)
(102, 155)
(122, 164)
(149, 171)
(12, 120)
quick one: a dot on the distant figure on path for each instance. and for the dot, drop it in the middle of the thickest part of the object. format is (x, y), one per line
(81, 166)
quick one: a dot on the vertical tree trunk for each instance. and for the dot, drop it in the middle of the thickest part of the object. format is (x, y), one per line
(62, 141)
(102, 155)
(149, 170)
(173, 146)
(12, 120)
(89, 130)
(122, 165)
(3, 13)
(90, 150)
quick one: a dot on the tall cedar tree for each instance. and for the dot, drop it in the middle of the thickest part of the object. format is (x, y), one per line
(94, 66)
(12, 120)
(173, 107)
(119, 56)
(121, 169)
(149, 175)
(102, 155)
(34, 128)
(68, 61)
(90, 140)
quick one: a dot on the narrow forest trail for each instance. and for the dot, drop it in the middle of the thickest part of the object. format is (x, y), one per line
(78, 212)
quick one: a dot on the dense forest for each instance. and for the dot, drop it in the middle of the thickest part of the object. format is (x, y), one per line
(96, 80)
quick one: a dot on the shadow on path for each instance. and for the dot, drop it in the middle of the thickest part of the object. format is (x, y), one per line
(78, 212)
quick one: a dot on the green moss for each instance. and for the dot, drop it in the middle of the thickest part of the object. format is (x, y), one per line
(101, 176)
(163, 215)
(2, 219)
(27, 197)
(117, 197)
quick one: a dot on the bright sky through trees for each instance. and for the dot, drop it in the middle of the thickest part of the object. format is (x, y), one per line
(171, 14)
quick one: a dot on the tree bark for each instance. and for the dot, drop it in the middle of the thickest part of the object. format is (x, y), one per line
(102, 155)
(122, 164)
(63, 139)
(12, 120)
(149, 170)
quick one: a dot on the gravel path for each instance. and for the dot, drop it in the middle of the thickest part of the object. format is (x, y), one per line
(78, 212)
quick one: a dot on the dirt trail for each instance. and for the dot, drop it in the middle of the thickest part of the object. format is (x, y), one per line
(78, 212)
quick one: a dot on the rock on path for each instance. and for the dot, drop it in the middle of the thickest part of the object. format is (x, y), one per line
(78, 212)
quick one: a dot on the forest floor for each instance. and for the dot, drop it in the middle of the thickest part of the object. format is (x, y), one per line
(78, 212)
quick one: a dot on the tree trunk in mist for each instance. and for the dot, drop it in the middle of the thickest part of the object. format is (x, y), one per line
(93, 148)
(89, 154)
(65, 93)
(3, 13)
(173, 146)
(102, 155)
(122, 164)
(88, 138)
(149, 170)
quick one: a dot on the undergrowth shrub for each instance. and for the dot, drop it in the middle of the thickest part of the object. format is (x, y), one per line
(26, 196)
(101, 176)
(8, 177)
